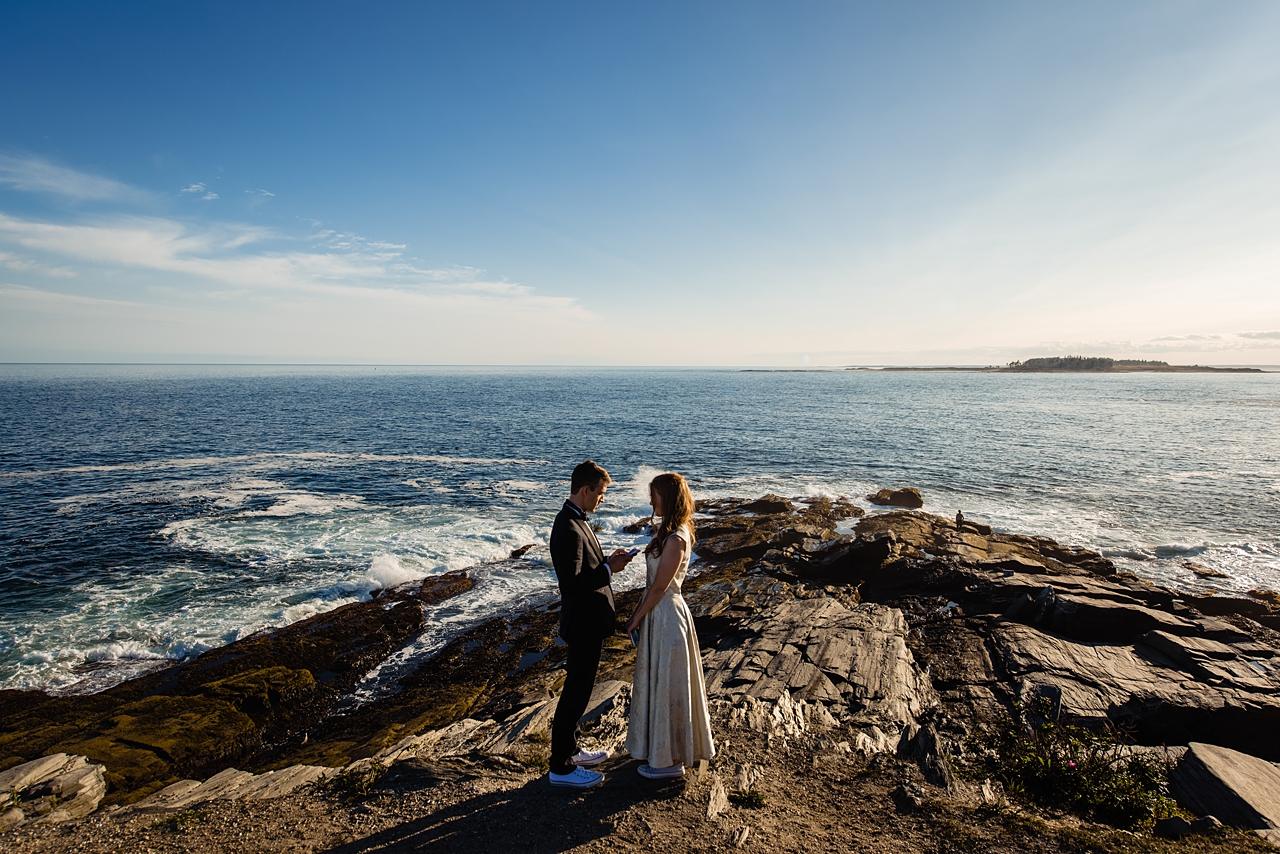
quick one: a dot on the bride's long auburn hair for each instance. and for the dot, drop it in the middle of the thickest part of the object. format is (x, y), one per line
(677, 509)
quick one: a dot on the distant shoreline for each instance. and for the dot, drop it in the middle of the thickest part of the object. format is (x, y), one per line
(1046, 365)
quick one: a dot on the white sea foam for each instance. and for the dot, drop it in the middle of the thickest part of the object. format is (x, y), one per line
(386, 571)
(318, 457)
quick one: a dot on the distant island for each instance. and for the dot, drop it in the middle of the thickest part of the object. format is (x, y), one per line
(1103, 365)
(1082, 365)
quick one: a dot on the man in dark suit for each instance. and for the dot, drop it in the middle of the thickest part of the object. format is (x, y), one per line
(587, 617)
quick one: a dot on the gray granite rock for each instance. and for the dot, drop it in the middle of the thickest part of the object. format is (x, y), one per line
(855, 661)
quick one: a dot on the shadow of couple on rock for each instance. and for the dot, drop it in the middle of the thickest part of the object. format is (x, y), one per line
(535, 817)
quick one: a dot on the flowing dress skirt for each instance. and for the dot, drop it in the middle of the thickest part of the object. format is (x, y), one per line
(669, 719)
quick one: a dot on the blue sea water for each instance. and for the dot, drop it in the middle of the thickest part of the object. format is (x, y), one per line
(149, 513)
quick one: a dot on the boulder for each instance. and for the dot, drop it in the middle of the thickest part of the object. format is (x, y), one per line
(1237, 788)
(907, 497)
(769, 504)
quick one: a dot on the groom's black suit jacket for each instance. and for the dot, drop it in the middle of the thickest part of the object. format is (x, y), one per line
(587, 612)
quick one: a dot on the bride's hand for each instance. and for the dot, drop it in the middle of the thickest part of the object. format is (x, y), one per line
(633, 623)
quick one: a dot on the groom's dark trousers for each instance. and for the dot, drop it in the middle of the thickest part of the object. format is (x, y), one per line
(587, 617)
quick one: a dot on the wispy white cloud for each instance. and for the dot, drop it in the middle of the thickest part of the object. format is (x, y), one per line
(209, 196)
(263, 193)
(25, 265)
(193, 188)
(247, 257)
(36, 295)
(37, 175)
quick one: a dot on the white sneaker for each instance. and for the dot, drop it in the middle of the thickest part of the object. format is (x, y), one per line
(669, 773)
(579, 778)
(588, 758)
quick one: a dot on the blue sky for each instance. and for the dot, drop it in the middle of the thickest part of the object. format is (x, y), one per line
(599, 183)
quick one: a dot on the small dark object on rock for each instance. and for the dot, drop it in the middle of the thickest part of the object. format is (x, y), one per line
(908, 497)
(752, 798)
(1173, 827)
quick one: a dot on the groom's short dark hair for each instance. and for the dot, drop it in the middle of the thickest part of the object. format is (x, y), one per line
(587, 473)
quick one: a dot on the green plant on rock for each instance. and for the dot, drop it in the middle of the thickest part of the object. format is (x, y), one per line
(352, 784)
(1065, 766)
(752, 798)
(177, 821)
(535, 761)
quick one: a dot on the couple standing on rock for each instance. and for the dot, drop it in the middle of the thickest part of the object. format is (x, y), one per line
(669, 724)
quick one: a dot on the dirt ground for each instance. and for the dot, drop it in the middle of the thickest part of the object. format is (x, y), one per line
(807, 800)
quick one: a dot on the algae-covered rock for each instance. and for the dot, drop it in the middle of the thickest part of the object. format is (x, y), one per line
(225, 706)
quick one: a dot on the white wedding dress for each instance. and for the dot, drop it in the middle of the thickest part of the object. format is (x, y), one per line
(669, 720)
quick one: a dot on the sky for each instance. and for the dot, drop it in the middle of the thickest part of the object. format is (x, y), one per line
(730, 183)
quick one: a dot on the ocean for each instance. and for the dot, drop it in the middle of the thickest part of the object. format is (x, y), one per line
(149, 513)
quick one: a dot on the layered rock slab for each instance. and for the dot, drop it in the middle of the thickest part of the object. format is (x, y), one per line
(53, 788)
(855, 660)
(1237, 788)
(1144, 687)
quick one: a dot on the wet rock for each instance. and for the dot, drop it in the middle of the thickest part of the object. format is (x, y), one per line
(639, 526)
(751, 543)
(907, 497)
(1239, 789)
(769, 504)
(224, 706)
(833, 509)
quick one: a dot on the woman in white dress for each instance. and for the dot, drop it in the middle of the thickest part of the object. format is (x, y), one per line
(669, 725)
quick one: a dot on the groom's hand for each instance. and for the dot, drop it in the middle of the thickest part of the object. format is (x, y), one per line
(618, 560)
